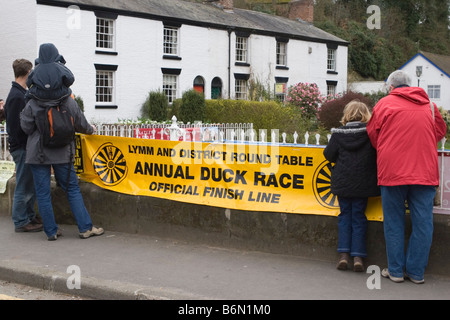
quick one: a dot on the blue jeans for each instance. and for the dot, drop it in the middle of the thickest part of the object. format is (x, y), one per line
(352, 224)
(420, 202)
(24, 195)
(41, 174)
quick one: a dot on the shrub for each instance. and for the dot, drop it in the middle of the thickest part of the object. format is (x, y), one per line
(156, 106)
(306, 97)
(375, 97)
(265, 115)
(446, 118)
(192, 107)
(80, 102)
(331, 112)
(174, 109)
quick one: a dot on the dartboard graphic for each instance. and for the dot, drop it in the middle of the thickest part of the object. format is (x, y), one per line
(110, 164)
(322, 186)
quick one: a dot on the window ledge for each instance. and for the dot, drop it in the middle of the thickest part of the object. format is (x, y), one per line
(109, 53)
(171, 57)
(106, 107)
(331, 72)
(282, 68)
(242, 64)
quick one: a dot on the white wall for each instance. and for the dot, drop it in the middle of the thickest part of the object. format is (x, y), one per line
(204, 52)
(370, 87)
(430, 76)
(17, 36)
(307, 62)
(139, 58)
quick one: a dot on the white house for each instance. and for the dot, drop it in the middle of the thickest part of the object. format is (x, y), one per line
(121, 50)
(431, 72)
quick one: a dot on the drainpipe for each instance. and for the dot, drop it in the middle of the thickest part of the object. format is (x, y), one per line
(229, 62)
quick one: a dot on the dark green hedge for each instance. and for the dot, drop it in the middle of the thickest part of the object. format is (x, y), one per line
(264, 115)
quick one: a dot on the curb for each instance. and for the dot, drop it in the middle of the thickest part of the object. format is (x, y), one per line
(98, 289)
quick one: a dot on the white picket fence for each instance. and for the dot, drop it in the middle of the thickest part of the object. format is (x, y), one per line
(200, 132)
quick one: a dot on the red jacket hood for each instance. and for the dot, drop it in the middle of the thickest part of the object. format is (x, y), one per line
(415, 95)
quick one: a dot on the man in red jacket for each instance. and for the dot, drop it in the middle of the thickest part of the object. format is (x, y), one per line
(404, 129)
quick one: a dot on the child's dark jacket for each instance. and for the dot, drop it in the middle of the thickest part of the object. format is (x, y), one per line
(51, 79)
(355, 171)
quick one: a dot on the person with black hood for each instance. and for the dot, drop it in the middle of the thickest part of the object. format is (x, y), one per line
(353, 181)
(51, 78)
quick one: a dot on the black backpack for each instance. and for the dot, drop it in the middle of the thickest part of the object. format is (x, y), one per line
(56, 125)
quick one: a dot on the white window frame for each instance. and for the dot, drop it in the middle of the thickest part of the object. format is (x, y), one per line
(171, 43)
(331, 60)
(241, 89)
(170, 86)
(241, 49)
(105, 87)
(282, 53)
(105, 34)
(434, 92)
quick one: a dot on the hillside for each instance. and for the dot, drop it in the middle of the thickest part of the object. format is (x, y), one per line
(406, 27)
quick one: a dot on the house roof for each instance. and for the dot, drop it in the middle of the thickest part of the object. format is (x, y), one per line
(208, 15)
(441, 62)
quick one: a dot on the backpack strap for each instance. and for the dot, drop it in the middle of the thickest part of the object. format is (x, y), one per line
(40, 125)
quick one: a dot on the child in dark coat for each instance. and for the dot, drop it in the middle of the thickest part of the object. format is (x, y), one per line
(50, 80)
(353, 180)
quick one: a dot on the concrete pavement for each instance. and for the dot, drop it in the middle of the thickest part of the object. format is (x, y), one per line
(119, 265)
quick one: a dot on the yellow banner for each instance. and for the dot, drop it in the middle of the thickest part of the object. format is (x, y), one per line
(254, 177)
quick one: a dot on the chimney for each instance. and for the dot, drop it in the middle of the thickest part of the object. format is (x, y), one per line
(227, 5)
(302, 9)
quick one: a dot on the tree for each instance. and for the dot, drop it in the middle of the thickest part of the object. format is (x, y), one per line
(406, 27)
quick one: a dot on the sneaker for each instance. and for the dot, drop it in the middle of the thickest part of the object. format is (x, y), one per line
(358, 264)
(31, 227)
(55, 236)
(385, 274)
(93, 232)
(414, 280)
(343, 261)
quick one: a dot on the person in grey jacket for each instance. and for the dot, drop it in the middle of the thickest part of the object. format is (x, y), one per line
(353, 180)
(42, 159)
